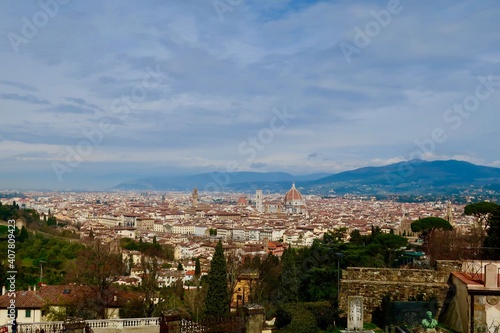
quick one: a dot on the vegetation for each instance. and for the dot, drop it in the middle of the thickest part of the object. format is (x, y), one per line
(492, 240)
(482, 212)
(289, 286)
(13, 212)
(217, 299)
(149, 249)
(301, 288)
(37, 254)
(296, 318)
(98, 266)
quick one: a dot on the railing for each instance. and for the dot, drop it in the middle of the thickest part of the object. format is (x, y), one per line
(121, 323)
(58, 326)
(48, 327)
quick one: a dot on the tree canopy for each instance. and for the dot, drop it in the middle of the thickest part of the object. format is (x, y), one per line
(430, 224)
(480, 209)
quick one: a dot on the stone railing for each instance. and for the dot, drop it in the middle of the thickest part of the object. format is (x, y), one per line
(48, 327)
(58, 326)
(122, 323)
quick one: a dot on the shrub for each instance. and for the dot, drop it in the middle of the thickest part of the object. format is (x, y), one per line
(299, 318)
(324, 313)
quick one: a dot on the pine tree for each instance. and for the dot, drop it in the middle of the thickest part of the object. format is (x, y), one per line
(217, 299)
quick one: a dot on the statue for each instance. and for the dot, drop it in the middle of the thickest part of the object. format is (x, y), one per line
(428, 322)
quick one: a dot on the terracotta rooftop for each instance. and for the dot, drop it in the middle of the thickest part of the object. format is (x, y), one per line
(24, 299)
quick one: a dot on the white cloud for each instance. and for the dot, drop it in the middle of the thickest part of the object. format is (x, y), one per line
(222, 79)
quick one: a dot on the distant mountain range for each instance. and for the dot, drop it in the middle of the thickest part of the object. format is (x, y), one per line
(414, 177)
(216, 181)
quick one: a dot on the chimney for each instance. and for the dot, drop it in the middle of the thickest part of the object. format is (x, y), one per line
(34, 287)
(4, 291)
(491, 276)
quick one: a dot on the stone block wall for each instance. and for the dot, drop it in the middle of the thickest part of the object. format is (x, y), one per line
(400, 284)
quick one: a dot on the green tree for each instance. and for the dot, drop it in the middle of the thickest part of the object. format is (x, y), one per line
(268, 283)
(289, 286)
(180, 268)
(427, 228)
(388, 247)
(335, 236)
(217, 299)
(52, 220)
(23, 235)
(197, 269)
(428, 225)
(492, 239)
(356, 237)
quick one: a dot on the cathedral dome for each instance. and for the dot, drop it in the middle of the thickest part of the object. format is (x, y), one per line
(242, 201)
(293, 195)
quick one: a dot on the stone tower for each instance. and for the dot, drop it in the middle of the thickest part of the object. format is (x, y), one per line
(258, 201)
(449, 214)
(195, 198)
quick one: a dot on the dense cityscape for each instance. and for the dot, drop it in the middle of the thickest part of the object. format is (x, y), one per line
(158, 242)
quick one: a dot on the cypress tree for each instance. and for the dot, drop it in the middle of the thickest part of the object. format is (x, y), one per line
(217, 299)
(197, 269)
(23, 235)
(289, 286)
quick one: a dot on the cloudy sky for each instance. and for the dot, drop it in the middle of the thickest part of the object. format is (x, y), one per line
(96, 92)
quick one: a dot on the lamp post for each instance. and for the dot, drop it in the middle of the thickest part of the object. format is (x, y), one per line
(338, 256)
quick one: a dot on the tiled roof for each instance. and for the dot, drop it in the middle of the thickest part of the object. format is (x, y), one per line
(24, 300)
(63, 294)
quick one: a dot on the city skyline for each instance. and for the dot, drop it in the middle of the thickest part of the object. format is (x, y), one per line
(93, 94)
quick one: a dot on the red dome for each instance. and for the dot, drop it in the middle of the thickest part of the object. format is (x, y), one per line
(293, 195)
(242, 201)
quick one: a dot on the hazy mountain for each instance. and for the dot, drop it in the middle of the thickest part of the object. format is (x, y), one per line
(411, 177)
(416, 176)
(218, 181)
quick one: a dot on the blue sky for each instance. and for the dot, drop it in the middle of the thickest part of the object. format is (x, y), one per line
(96, 92)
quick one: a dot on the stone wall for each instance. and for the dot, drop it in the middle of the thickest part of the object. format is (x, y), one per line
(400, 284)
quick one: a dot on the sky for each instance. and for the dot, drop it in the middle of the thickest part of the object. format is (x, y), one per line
(93, 93)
